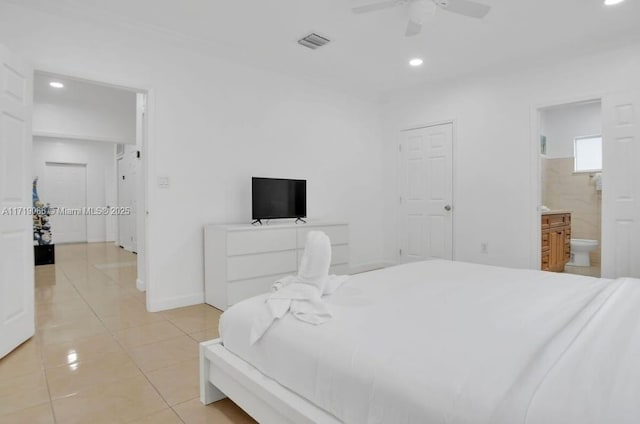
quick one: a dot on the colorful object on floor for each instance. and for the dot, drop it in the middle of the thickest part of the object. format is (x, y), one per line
(41, 219)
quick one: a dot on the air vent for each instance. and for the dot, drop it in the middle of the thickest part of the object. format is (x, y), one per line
(313, 41)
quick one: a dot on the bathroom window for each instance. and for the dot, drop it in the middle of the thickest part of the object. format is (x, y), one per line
(587, 154)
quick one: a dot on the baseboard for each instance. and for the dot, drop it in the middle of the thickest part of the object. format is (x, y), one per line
(356, 269)
(96, 240)
(140, 285)
(174, 302)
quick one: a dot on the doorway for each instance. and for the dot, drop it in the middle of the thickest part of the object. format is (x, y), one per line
(77, 120)
(425, 173)
(571, 167)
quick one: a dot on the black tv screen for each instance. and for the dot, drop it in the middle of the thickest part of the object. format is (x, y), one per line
(274, 198)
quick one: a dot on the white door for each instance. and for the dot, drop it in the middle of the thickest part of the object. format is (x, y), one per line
(16, 224)
(426, 193)
(123, 201)
(127, 186)
(133, 200)
(621, 185)
(65, 187)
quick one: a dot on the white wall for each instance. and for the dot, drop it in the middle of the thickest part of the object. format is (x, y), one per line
(83, 110)
(214, 125)
(101, 176)
(562, 124)
(494, 150)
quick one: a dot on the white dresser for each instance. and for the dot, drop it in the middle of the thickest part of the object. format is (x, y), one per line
(243, 260)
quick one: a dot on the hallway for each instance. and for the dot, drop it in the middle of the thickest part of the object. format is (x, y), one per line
(99, 357)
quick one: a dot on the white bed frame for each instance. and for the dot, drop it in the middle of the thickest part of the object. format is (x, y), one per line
(223, 374)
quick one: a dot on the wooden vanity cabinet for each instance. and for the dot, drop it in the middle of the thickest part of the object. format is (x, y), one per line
(556, 241)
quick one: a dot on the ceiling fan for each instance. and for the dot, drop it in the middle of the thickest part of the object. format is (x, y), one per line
(419, 10)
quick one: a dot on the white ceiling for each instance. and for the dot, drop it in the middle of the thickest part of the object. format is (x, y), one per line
(370, 50)
(78, 92)
(83, 109)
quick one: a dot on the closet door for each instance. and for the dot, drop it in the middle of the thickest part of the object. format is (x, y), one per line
(426, 193)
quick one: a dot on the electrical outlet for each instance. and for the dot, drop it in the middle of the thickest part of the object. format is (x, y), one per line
(484, 247)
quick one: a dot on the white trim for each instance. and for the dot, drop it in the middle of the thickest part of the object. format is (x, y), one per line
(174, 302)
(64, 136)
(97, 240)
(261, 397)
(140, 285)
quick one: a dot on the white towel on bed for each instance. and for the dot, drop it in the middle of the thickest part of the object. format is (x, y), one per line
(302, 294)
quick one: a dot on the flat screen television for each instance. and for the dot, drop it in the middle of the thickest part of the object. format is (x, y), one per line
(278, 198)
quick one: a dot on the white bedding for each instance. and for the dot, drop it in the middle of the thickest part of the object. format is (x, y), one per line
(444, 342)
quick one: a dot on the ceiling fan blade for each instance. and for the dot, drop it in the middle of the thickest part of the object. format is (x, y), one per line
(376, 6)
(413, 28)
(465, 7)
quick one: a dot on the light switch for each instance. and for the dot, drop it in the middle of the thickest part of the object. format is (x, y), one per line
(163, 182)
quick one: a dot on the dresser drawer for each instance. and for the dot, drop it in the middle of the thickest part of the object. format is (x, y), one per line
(247, 242)
(262, 264)
(339, 254)
(338, 234)
(545, 222)
(559, 220)
(244, 289)
(341, 269)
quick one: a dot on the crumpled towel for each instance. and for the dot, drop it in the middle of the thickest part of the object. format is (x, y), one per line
(301, 294)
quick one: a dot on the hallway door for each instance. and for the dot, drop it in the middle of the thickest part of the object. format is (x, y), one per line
(66, 189)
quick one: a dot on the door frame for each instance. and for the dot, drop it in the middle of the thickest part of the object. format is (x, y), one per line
(454, 155)
(86, 188)
(144, 194)
(118, 204)
(535, 199)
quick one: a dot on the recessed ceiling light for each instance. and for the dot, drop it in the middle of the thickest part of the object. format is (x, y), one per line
(416, 62)
(56, 84)
(612, 2)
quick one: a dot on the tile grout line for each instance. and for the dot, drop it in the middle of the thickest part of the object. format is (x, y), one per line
(109, 332)
(124, 348)
(46, 378)
(66, 275)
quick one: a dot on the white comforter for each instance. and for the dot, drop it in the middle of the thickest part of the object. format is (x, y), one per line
(444, 342)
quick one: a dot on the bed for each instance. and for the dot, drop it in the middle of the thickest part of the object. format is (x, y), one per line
(440, 342)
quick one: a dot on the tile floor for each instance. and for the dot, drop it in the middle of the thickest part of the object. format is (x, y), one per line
(99, 357)
(590, 271)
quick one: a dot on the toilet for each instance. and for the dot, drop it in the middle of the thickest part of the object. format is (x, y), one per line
(580, 249)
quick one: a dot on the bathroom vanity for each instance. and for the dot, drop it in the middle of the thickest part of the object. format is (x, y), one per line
(556, 240)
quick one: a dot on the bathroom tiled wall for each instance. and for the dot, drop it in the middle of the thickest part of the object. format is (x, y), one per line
(562, 189)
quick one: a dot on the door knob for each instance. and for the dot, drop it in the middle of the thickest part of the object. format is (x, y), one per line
(447, 208)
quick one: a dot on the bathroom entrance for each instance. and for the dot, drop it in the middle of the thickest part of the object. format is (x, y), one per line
(571, 187)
